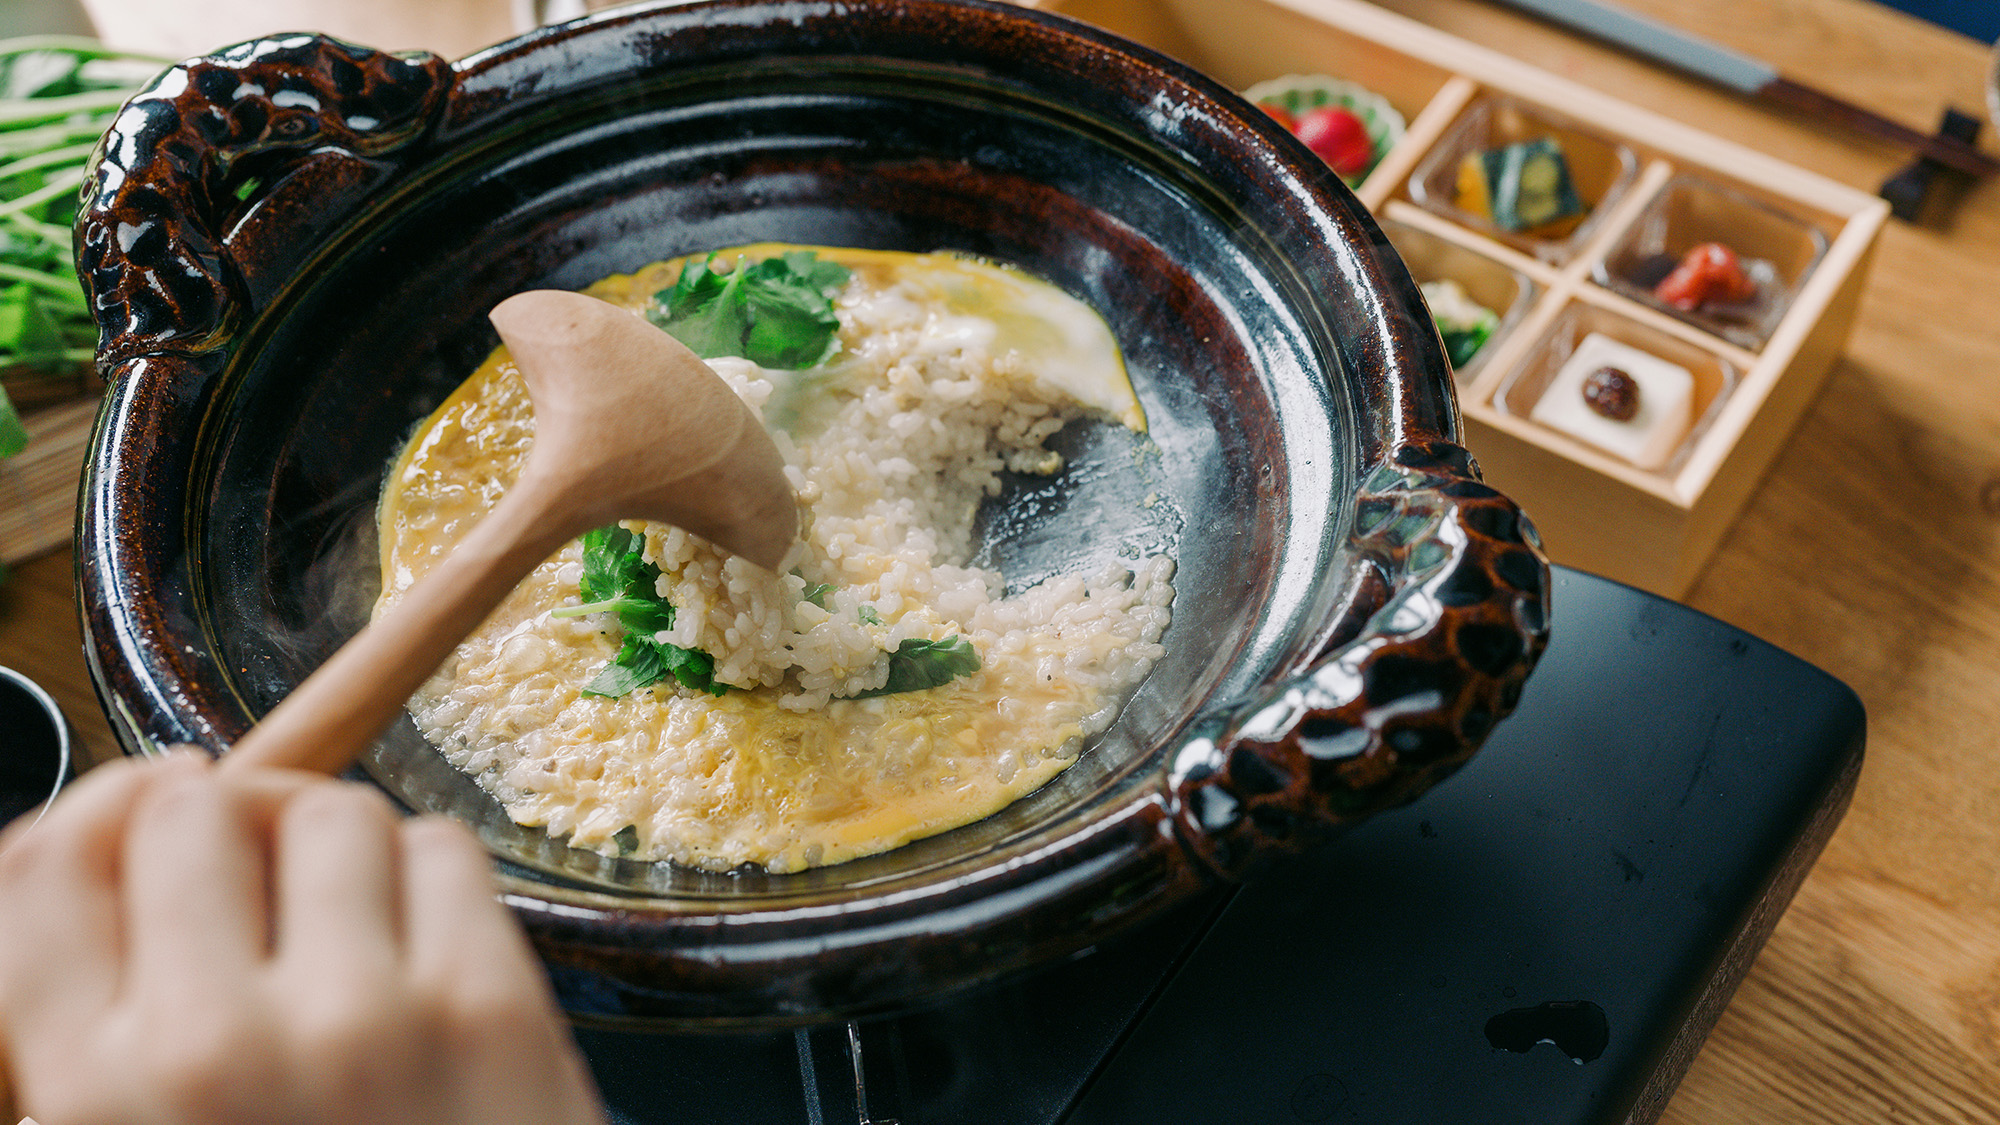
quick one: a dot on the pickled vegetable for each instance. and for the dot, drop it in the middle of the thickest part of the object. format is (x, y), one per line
(1709, 274)
(1521, 188)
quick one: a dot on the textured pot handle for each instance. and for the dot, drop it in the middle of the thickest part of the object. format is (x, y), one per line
(1451, 614)
(190, 156)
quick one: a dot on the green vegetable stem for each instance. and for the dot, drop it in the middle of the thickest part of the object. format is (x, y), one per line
(57, 97)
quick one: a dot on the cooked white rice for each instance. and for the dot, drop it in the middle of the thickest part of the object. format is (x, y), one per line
(892, 448)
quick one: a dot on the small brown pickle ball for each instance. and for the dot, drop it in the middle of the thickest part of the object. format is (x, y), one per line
(1612, 393)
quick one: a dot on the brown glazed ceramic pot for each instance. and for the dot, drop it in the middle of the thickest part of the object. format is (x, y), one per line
(291, 246)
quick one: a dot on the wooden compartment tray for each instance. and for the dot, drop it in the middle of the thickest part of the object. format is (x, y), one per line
(1664, 184)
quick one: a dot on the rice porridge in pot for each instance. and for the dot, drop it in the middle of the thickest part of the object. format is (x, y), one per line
(643, 693)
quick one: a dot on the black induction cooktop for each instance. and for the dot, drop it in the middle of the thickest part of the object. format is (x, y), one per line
(1545, 938)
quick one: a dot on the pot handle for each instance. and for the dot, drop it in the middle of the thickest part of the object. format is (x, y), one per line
(1449, 614)
(187, 161)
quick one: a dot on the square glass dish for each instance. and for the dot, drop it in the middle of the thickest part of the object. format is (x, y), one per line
(1524, 176)
(1548, 387)
(1773, 251)
(1503, 293)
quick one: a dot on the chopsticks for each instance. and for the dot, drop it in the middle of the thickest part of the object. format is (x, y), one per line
(1752, 77)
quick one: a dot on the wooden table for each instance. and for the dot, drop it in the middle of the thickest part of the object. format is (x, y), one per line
(1873, 550)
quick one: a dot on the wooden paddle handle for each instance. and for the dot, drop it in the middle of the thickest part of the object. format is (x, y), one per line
(327, 721)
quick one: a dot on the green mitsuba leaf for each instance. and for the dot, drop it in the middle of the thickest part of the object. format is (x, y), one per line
(637, 665)
(643, 662)
(692, 667)
(919, 664)
(777, 313)
(618, 580)
(707, 311)
(614, 562)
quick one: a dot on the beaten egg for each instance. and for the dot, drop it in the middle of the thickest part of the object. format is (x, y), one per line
(809, 747)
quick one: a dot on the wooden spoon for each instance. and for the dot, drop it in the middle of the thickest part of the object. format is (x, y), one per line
(629, 424)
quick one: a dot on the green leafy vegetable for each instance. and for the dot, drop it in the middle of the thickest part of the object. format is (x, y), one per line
(12, 435)
(868, 615)
(618, 580)
(777, 312)
(643, 662)
(1463, 323)
(919, 664)
(1462, 343)
(29, 329)
(816, 593)
(57, 96)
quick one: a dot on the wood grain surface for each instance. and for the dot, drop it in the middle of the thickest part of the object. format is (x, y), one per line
(1872, 549)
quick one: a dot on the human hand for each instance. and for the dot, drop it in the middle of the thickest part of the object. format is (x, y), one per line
(178, 946)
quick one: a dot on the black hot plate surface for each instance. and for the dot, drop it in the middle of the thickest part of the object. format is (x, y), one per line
(1545, 939)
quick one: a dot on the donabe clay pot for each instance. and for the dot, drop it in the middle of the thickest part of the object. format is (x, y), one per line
(292, 245)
